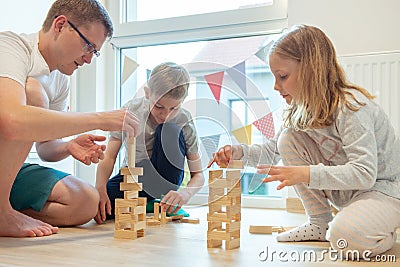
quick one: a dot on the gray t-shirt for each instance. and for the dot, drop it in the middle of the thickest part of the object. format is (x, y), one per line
(144, 142)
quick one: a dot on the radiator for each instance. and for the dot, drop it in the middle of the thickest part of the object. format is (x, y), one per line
(380, 75)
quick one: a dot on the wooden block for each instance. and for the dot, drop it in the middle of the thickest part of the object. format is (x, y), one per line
(125, 218)
(261, 229)
(131, 178)
(130, 186)
(156, 211)
(218, 184)
(140, 233)
(125, 234)
(151, 222)
(233, 227)
(214, 243)
(139, 225)
(294, 204)
(190, 220)
(232, 176)
(142, 201)
(218, 235)
(163, 219)
(231, 244)
(125, 203)
(131, 171)
(214, 174)
(218, 217)
(234, 164)
(175, 217)
(131, 194)
(139, 210)
(131, 144)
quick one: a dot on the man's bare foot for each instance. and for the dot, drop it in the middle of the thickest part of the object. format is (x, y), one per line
(16, 224)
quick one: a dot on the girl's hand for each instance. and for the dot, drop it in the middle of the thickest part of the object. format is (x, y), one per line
(225, 154)
(287, 175)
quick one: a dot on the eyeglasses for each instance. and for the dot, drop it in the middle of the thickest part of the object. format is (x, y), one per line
(88, 47)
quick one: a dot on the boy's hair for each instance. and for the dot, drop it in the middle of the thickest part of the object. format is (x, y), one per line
(322, 84)
(80, 12)
(169, 79)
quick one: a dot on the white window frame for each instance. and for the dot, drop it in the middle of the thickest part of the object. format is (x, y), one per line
(200, 27)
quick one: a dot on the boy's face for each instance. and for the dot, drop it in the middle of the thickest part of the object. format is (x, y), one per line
(164, 108)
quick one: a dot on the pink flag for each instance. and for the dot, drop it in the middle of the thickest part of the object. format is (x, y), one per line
(266, 125)
(214, 80)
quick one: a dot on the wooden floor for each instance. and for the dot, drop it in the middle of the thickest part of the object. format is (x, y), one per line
(175, 244)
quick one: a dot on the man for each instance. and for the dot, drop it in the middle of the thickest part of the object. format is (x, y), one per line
(34, 199)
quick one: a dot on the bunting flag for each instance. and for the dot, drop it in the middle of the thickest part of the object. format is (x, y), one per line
(129, 67)
(210, 144)
(243, 135)
(214, 81)
(148, 72)
(238, 75)
(266, 125)
(263, 52)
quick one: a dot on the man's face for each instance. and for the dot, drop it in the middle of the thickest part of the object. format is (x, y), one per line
(74, 51)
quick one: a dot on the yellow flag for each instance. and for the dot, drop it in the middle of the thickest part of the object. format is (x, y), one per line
(243, 135)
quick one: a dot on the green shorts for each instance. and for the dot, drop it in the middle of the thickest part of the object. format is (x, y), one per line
(33, 185)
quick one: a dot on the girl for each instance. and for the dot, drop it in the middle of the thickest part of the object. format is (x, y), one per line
(337, 147)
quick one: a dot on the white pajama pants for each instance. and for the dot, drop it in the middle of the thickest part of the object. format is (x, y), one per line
(367, 220)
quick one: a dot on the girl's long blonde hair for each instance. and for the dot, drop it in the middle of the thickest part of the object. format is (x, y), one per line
(322, 84)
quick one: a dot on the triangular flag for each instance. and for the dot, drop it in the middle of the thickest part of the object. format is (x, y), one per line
(148, 72)
(266, 125)
(129, 67)
(238, 75)
(214, 80)
(263, 52)
(243, 135)
(210, 144)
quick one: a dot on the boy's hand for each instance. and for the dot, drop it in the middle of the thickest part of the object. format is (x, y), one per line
(173, 201)
(104, 207)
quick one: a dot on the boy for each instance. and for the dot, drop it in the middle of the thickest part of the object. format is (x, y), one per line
(167, 137)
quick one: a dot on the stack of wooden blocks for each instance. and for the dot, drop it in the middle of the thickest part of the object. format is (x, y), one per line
(130, 212)
(224, 207)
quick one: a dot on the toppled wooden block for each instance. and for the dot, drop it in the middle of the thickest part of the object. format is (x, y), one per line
(262, 229)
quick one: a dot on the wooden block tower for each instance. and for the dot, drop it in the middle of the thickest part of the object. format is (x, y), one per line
(224, 208)
(130, 212)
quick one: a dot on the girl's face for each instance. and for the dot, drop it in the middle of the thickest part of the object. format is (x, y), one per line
(285, 72)
(164, 108)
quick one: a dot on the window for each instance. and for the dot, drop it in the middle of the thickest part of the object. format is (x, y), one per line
(216, 45)
(142, 10)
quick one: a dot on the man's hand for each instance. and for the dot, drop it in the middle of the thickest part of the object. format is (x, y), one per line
(287, 175)
(85, 149)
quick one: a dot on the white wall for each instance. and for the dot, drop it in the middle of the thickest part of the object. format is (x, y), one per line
(355, 26)
(23, 16)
